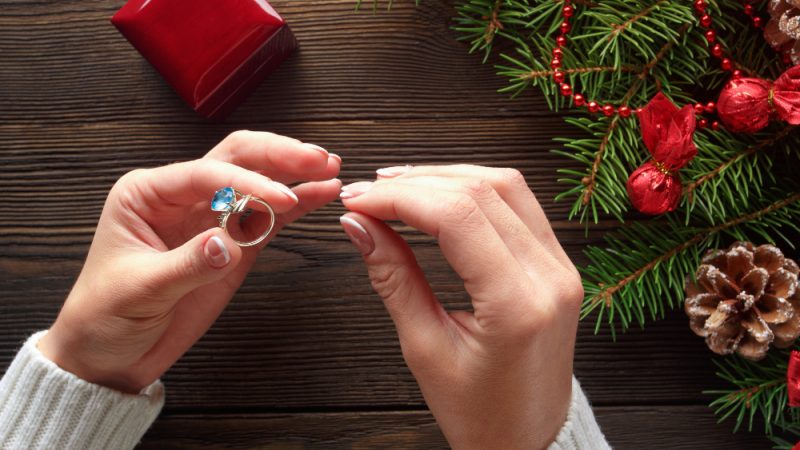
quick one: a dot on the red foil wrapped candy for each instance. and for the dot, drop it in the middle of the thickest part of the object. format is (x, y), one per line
(212, 52)
(667, 132)
(746, 105)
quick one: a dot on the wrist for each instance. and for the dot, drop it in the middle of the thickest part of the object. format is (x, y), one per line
(70, 353)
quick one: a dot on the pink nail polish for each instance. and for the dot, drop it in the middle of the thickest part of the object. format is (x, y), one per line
(355, 189)
(316, 148)
(216, 253)
(358, 235)
(289, 193)
(391, 172)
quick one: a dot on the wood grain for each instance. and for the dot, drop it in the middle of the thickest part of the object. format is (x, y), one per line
(628, 428)
(305, 356)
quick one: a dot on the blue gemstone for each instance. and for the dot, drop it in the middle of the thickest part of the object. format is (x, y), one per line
(223, 199)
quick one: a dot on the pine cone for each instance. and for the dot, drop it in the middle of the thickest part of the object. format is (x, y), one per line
(743, 299)
(783, 28)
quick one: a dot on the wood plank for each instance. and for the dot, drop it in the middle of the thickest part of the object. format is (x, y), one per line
(64, 62)
(668, 428)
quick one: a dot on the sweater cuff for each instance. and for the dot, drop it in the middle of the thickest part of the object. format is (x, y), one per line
(580, 431)
(44, 406)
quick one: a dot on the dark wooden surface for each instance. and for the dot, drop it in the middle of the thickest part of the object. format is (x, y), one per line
(305, 356)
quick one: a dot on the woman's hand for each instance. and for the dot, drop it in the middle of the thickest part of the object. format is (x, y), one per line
(501, 376)
(159, 271)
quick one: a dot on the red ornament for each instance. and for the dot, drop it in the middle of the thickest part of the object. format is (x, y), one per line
(624, 111)
(566, 89)
(726, 64)
(705, 20)
(578, 99)
(561, 41)
(608, 110)
(667, 132)
(716, 50)
(558, 76)
(793, 379)
(746, 105)
(593, 106)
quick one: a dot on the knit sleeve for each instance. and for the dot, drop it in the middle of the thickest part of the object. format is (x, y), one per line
(580, 431)
(43, 407)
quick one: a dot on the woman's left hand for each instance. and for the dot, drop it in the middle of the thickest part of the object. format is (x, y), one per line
(160, 271)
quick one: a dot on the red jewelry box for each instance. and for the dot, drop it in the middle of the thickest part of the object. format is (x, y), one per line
(213, 52)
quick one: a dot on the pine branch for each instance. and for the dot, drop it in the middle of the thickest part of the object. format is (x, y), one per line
(758, 392)
(641, 271)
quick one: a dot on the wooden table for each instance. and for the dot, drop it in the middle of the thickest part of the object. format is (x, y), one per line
(305, 356)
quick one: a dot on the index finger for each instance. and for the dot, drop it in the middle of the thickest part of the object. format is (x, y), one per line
(196, 181)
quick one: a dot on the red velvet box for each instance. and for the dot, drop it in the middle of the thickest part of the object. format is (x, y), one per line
(213, 52)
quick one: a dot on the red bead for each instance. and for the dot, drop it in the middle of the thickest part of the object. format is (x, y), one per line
(624, 111)
(699, 108)
(758, 22)
(716, 50)
(715, 125)
(737, 74)
(565, 27)
(702, 123)
(558, 53)
(561, 41)
(558, 76)
(700, 6)
(748, 9)
(593, 106)
(568, 11)
(578, 99)
(566, 89)
(726, 64)
(638, 111)
(608, 110)
(711, 35)
(710, 106)
(705, 20)
(555, 63)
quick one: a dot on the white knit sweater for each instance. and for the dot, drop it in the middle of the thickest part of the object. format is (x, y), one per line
(45, 407)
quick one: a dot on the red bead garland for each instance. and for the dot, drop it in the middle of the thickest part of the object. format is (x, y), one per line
(624, 111)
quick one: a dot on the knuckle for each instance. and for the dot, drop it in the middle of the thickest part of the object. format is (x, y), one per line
(388, 281)
(514, 177)
(238, 137)
(461, 209)
(477, 188)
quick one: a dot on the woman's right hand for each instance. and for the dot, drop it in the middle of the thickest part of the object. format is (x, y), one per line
(501, 376)
(160, 271)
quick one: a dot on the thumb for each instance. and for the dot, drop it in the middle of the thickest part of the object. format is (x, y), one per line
(206, 258)
(396, 276)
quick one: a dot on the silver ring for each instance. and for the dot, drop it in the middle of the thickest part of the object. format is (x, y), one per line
(229, 201)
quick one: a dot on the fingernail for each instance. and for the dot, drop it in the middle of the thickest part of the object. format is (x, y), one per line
(390, 172)
(289, 193)
(355, 189)
(358, 235)
(336, 157)
(317, 148)
(216, 253)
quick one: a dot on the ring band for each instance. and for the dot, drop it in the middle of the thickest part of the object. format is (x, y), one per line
(229, 201)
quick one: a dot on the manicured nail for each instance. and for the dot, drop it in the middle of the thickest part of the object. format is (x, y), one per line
(355, 189)
(358, 235)
(216, 253)
(289, 193)
(316, 147)
(336, 157)
(391, 172)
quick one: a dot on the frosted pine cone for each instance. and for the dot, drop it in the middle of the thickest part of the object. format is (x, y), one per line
(783, 28)
(744, 299)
